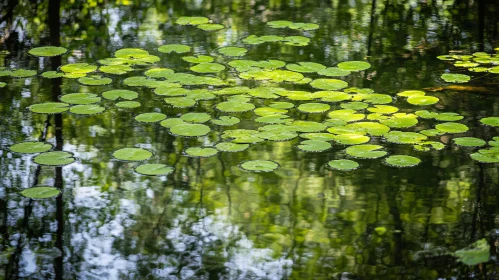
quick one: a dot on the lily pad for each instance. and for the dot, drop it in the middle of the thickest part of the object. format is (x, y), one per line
(87, 109)
(49, 108)
(154, 169)
(48, 51)
(491, 121)
(120, 93)
(176, 48)
(259, 165)
(40, 192)
(132, 154)
(456, 78)
(343, 164)
(452, 127)
(201, 152)
(150, 117)
(366, 151)
(354, 65)
(30, 147)
(190, 130)
(314, 146)
(80, 98)
(231, 147)
(57, 158)
(402, 161)
(469, 142)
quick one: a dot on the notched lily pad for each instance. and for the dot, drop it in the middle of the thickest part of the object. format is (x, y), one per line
(259, 165)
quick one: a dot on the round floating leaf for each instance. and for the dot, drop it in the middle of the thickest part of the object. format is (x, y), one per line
(422, 100)
(306, 67)
(334, 72)
(314, 107)
(409, 93)
(56, 158)
(80, 98)
(132, 154)
(154, 169)
(196, 117)
(314, 146)
(168, 123)
(231, 147)
(329, 84)
(351, 139)
(48, 51)
(343, 164)
(402, 161)
(30, 147)
(22, 73)
(49, 108)
(192, 20)
(159, 73)
(259, 165)
(400, 137)
(198, 59)
(455, 78)
(210, 26)
(366, 151)
(234, 107)
(208, 68)
(120, 93)
(40, 192)
(469, 142)
(180, 102)
(176, 48)
(201, 152)
(190, 130)
(318, 136)
(78, 68)
(87, 109)
(95, 80)
(354, 65)
(492, 121)
(232, 51)
(128, 104)
(150, 117)
(226, 121)
(451, 127)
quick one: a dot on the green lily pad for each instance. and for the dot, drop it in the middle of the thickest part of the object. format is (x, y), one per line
(305, 67)
(232, 51)
(128, 104)
(343, 164)
(201, 152)
(491, 121)
(192, 20)
(314, 107)
(226, 121)
(259, 165)
(366, 151)
(180, 102)
(190, 130)
(40, 192)
(333, 72)
(354, 65)
(196, 117)
(78, 68)
(90, 109)
(329, 84)
(401, 137)
(80, 98)
(402, 161)
(208, 68)
(231, 147)
(456, 78)
(48, 51)
(234, 107)
(351, 139)
(198, 59)
(95, 80)
(476, 253)
(154, 169)
(49, 108)
(422, 100)
(176, 48)
(314, 146)
(120, 93)
(150, 117)
(57, 158)
(210, 26)
(30, 147)
(132, 154)
(452, 127)
(22, 73)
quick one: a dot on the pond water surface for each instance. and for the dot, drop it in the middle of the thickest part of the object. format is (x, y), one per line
(210, 219)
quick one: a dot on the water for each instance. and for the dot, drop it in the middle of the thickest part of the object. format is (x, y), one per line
(209, 219)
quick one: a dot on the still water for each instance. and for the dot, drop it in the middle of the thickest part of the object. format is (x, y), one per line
(210, 219)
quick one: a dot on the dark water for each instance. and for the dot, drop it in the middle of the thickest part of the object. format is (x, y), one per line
(211, 220)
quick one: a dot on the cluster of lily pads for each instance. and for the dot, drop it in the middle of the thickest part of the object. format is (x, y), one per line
(324, 111)
(479, 62)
